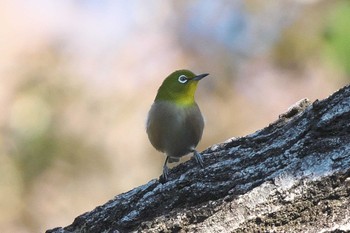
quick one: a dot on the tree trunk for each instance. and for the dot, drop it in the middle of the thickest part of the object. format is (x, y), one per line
(292, 176)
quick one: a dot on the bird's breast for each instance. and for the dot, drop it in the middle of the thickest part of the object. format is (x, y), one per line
(174, 129)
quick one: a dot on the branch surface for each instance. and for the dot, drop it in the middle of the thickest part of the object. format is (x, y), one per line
(291, 175)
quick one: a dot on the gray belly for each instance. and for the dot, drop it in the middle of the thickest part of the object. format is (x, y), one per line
(174, 130)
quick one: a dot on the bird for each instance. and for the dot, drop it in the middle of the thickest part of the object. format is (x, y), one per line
(175, 123)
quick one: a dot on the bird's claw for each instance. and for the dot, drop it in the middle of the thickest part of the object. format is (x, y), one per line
(164, 177)
(198, 158)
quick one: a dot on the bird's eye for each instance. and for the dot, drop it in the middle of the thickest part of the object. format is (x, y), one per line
(182, 79)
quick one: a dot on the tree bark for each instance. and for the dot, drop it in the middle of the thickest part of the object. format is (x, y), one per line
(292, 176)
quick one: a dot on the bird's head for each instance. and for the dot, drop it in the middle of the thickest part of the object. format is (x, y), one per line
(179, 87)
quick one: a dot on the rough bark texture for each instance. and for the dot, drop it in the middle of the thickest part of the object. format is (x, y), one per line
(292, 176)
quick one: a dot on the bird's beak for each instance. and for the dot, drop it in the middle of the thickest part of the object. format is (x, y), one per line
(199, 77)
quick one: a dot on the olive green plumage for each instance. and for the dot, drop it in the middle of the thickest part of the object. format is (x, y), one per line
(175, 123)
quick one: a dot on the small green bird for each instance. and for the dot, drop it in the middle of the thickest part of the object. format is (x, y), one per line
(175, 124)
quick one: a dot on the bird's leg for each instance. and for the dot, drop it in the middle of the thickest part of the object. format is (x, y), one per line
(164, 176)
(198, 157)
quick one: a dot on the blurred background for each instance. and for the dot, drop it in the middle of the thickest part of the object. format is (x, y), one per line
(78, 78)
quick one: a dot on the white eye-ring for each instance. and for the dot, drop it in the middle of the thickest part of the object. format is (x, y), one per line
(182, 79)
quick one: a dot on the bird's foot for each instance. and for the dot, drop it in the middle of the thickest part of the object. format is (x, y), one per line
(198, 158)
(164, 177)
